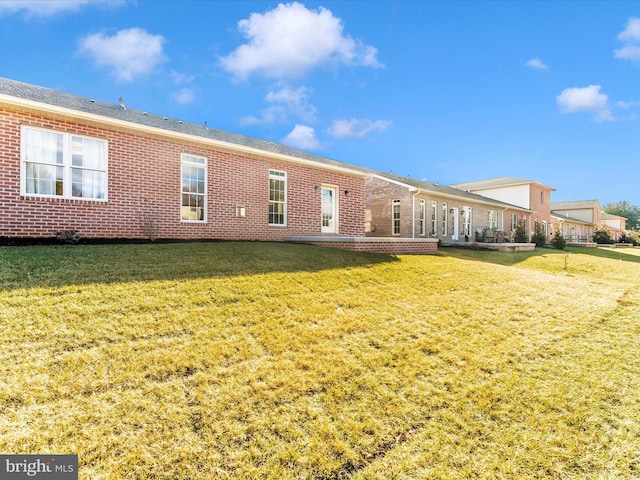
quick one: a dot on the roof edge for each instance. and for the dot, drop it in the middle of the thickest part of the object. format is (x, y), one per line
(79, 114)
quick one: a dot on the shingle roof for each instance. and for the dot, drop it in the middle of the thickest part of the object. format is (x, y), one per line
(610, 216)
(445, 190)
(562, 216)
(579, 204)
(114, 111)
(497, 182)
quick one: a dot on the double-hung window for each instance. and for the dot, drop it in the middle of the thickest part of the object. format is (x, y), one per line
(277, 197)
(444, 219)
(514, 221)
(194, 189)
(492, 219)
(434, 218)
(395, 213)
(423, 213)
(63, 165)
(467, 215)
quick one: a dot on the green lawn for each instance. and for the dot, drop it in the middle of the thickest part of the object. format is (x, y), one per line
(276, 361)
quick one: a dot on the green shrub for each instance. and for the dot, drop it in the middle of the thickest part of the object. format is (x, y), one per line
(521, 233)
(602, 235)
(558, 241)
(539, 238)
(631, 237)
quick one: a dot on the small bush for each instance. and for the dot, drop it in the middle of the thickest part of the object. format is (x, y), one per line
(539, 238)
(68, 236)
(521, 233)
(558, 241)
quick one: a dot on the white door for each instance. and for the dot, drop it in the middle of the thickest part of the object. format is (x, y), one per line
(329, 210)
(455, 216)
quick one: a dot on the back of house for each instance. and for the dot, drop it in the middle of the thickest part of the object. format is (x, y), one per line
(105, 171)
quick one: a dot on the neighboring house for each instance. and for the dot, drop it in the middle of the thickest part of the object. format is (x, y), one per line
(410, 208)
(576, 232)
(616, 224)
(578, 220)
(528, 194)
(111, 172)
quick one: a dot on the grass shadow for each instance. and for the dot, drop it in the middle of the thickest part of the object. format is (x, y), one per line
(514, 258)
(494, 256)
(60, 265)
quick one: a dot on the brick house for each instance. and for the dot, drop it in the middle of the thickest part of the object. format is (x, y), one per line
(528, 194)
(110, 172)
(616, 224)
(579, 219)
(405, 207)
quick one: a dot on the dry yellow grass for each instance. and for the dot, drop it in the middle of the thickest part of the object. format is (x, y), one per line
(264, 361)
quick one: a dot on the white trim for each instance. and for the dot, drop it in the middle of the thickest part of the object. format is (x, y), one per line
(334, 208)
(66, 165)
(184, 162)
(393, 220)
(280, 175)
(445, 219)
(422, 217)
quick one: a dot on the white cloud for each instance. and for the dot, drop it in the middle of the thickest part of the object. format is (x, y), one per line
(269, 116)
(129, 53)
(291, 102)
(630, 37)
(183, 96)
(627, 105)
(45, 8)
(632, 31)
(357, 128)
(291, 40)
(302, 137)
(536, 64)
(629, 52)
(296, 101)
(179, 78)
(585, 99)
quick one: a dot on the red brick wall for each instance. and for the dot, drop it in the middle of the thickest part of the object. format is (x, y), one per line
(541, 209)
(392, 248)
(144, 181)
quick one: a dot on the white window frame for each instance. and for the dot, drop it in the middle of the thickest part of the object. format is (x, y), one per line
(395, 217)
(514, 221)
(422, 217)
(65, 167)
(199, 163)
(329, 218)
(467, 220)
(280, 176)
(445, 219)
(492, 219)
(434, 218)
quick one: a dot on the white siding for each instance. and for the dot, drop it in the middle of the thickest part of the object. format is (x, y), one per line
(515, 195)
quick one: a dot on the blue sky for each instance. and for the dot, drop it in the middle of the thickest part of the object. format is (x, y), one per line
(448, 91)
